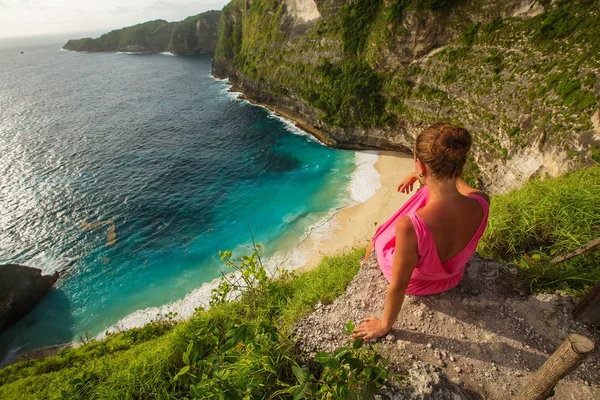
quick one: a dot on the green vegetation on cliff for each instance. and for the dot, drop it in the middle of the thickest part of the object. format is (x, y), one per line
(543, 219)
(522, 77)
(193, 35)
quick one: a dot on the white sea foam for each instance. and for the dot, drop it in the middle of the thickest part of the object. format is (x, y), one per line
(219, 79)
(364, 181)
(167, 53)
(49, 264)
(133, 52)
(184, 308)
(289, 126)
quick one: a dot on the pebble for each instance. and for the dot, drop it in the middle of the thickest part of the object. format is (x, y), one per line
(458, 370)
(390, 337)
(463, 336)
(441, 363)
(411, 356)
(429, 345)
(452, 358)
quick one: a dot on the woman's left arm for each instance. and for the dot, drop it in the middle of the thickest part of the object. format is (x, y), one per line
(405, 259)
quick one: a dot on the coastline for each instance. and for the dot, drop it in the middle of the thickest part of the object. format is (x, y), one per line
(371, 203)
(355, 225)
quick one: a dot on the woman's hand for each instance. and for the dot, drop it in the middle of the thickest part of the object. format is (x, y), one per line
(371, 328)
(406, 186)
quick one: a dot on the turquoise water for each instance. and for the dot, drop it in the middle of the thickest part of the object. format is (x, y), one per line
(154, 149)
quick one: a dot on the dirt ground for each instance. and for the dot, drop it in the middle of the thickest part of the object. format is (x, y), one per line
(480, 340)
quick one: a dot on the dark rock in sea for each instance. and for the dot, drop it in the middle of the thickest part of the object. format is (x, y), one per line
(21, 288)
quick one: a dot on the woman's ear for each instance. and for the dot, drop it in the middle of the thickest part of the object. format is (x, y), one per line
(421, 170)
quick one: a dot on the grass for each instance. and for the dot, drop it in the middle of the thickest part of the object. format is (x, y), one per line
(141, 363)
(547, 218)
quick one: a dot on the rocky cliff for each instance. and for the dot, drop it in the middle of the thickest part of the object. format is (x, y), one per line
(20, 290)
(521, 75)
(193, 35)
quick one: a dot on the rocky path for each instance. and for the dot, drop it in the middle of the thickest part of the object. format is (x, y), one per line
(480, 340)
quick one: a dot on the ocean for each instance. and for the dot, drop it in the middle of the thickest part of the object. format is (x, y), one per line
(129, 172)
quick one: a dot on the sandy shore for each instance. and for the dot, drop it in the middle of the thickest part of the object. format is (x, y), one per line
(354, 226)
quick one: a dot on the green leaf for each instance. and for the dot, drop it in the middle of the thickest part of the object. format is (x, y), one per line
(299, 394)
(349, 327)
(300, 374)
(355, 363)
(341, 352)
(196, 393)
(322, 357)
(333, 363)
(357, 344)
(181, 372)
(186, 354)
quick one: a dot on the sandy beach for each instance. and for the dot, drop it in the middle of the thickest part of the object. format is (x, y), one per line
(354, 226)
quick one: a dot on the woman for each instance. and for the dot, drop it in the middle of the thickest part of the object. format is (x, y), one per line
(424, 247)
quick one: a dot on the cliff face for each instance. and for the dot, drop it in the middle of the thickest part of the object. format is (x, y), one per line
(20, 290)
(193, 35)
(521, 75)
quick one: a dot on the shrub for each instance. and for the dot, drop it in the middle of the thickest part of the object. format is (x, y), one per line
(450, 75)
(470, 34)
(348, 94)
(557, 24)
(357, 18)
(496, 62)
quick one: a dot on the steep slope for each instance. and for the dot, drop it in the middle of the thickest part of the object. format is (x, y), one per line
(482, 339)
(193, 35)
(521, 75)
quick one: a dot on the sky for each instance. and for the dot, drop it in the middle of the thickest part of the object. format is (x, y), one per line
(53, 18)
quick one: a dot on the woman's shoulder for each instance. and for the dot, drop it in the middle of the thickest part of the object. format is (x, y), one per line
(481, 194)
(405, 227)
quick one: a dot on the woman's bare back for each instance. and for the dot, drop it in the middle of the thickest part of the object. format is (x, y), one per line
(452, 222)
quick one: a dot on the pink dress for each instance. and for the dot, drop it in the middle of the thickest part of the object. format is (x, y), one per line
(430, 275)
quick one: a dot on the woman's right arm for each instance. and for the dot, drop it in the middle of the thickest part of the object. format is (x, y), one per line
(464, 188)
(406, 186)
